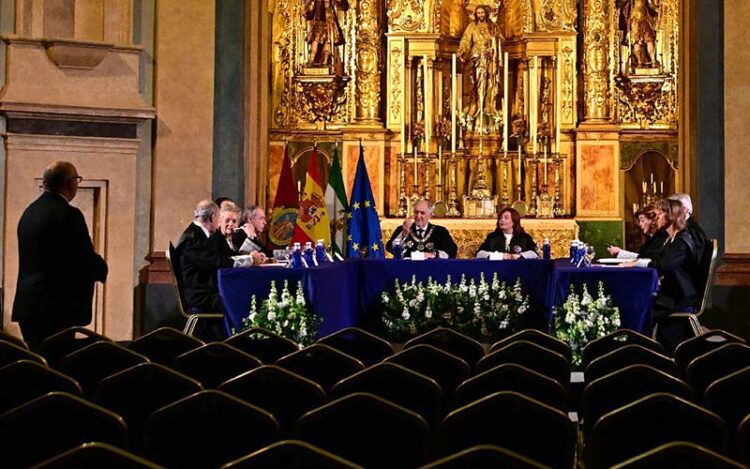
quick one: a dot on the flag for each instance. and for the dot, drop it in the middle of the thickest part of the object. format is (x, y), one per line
(312, 216)
(364, 224)
(338, 208)
(285, 206)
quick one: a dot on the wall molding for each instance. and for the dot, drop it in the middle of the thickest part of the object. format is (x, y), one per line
(734, 271)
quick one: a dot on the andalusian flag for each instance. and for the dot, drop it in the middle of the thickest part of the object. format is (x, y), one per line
(365, 238)
(338, 208)
(312, 217)
(285, 206)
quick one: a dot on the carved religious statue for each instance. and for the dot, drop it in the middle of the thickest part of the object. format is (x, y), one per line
(479, 51)
(324, 34)
(638, 23)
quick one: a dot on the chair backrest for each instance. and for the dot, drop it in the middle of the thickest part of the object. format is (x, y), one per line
(54, 423)
(517, 378)
(706, 294)
(281, 392)
(25, 380)
(680, 454)
(532, 356)
(263, 344)
(214, 363)
(175, 268)
(729, 397)
(399, 385)
(694, 347)
(95, 454)
(224, 428)
(291, 454)
(624, 386)
(452, 342)
(164, 345)
(709, 367)
(618, 339)
(539, 338)
(368, 430)
(484, 456)
(649, 422)
(629, 355)
(322, 364)
(445, 368)
(136, 392)
(360, 344)
(743, 440)
(55, 347)
(513, 421)
(95, 362)
(12, 339)
(10, 353)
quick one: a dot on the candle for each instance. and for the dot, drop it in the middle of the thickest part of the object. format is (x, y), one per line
(425, 90)
(505, 101)
(643, 186)
(414, 148)
(453, 103)
(661, 186)
(545, 164)
(520, 162)
(654, 188)
(440, 165)
(403, 117)
(635, 207)
(652, 178)
(533, 106)
(558, 103)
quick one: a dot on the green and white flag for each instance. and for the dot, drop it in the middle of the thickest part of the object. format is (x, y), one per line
(338, 208)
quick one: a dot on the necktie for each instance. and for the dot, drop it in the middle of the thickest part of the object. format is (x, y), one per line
(420, 232)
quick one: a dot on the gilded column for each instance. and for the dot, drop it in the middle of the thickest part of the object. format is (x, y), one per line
(368, 62)
(596, 61)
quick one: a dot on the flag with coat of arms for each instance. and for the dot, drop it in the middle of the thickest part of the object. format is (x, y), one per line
(365, 237)
(312, 216)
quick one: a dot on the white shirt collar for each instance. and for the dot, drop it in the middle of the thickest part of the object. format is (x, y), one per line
(200, 225)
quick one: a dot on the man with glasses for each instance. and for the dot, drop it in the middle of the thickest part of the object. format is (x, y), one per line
(57, 264)
(247, 235)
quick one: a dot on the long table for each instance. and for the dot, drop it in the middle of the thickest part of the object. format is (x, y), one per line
(348, 293)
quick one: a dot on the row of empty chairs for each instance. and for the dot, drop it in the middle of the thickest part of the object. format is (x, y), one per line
(441, 394)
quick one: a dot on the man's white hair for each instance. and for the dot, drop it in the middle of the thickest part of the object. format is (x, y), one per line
(684, 199)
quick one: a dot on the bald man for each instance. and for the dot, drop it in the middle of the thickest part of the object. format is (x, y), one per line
(57, 264)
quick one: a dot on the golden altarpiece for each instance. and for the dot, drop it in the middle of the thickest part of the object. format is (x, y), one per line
(566, 110)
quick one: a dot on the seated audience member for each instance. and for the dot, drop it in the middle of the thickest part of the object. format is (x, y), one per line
(246, 238)
(509, 238)
(200, 257)
(421, 235)
(676, 266)
(229, 217)
(646, 220)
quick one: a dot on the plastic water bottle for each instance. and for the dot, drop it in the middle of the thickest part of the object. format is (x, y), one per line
(296, 256)
(309, 254)
(573, 251)
(581, 255)
(546, 249)
(398, 250)
(320, 252)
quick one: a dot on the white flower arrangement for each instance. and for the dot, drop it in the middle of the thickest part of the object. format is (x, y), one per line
(582, 319)
(287, 316)
(485, 310)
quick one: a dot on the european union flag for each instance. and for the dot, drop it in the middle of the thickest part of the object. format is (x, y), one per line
(364, 226)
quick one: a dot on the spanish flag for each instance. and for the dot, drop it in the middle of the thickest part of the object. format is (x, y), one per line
(312, 217)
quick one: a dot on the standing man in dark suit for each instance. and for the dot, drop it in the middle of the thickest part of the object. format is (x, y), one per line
(57, 264)
(421, 235)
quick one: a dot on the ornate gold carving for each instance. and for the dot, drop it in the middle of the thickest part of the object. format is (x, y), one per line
(596, 61)
(323, 95)
(406, 15)
(396, 70)
(368, 61)
(557, 15)
(568, 73)
(647, 100)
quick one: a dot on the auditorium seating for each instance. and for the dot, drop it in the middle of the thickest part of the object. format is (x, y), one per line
(421, 406)
(57, 346)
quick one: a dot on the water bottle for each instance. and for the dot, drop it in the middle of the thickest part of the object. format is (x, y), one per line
(581, 255)
(398, 250)
(309, 254)
(296, 256)
(573, 251)
(320, 252)
(546, 249)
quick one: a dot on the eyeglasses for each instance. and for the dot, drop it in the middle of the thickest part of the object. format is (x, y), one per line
(77, 178)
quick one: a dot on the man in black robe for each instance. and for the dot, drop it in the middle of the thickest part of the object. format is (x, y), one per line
(421, 235)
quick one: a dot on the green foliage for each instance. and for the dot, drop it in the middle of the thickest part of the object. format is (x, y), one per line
(287, 316)
(583, 319)
(485, 311)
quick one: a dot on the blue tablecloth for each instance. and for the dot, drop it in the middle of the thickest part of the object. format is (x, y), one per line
(348, 293)
(631, 289)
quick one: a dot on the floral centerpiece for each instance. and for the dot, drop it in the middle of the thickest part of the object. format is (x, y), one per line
(287, 316)
(485, 311)
(582, 319)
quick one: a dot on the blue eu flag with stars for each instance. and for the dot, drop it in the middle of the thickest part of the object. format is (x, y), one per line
(365, 237)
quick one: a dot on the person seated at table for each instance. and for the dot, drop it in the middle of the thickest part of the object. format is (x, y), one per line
(509, 238)
(703, 248)
(247, 237)
(646, 220)
(677, 269)
(421, 235)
